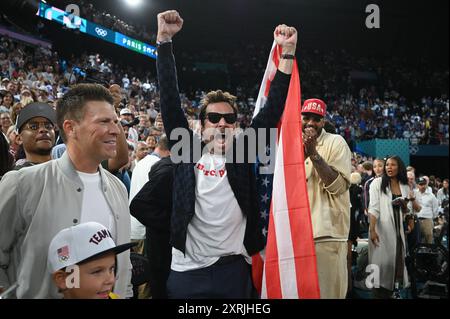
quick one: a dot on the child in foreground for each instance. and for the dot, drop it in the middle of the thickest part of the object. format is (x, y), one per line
(82, 260)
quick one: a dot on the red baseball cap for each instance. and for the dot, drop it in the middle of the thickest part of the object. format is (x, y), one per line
(315, 106)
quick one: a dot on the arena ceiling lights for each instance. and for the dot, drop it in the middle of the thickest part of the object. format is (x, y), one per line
(133, 3)
(74, 22)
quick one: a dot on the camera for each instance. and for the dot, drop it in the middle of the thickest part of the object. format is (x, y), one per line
(79, 72)
(398, 201)
(130, 124)
(88, 75)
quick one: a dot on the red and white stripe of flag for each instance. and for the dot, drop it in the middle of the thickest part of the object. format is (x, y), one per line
(288, 268)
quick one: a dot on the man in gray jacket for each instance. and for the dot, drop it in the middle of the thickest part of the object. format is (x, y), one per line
(37, 202)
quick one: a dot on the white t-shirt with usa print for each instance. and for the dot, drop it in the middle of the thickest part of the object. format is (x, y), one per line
(218, 226)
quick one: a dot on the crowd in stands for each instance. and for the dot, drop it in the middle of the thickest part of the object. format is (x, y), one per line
(358, 111)
(382, 107)
(91, 13)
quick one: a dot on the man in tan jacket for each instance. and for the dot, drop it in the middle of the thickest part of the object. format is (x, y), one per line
(328, 169)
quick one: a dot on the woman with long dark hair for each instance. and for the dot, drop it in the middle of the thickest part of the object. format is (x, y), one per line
(387, 248)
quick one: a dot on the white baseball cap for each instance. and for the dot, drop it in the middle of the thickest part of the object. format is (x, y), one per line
(125, 111)
(79, 243)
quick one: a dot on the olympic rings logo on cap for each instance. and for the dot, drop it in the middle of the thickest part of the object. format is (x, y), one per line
(63, 258)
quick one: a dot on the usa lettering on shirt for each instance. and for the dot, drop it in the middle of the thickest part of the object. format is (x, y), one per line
(215, 173)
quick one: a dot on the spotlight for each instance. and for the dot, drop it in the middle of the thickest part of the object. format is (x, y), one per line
(133, 3)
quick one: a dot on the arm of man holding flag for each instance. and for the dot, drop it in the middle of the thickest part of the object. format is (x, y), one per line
(286, 40)
(287, 269)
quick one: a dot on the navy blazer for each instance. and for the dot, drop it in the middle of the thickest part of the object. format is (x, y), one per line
(240, 176)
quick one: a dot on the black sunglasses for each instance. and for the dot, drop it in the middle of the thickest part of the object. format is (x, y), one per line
(314, 117)
(215, 118)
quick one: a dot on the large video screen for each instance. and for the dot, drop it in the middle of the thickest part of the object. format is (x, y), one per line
(71, 21)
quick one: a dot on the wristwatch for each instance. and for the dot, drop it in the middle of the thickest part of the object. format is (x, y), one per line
(315, 157)
(163, 42)
(288, 56)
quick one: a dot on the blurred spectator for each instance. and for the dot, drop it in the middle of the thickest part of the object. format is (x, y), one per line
(138, 180)
(152, 206)
(427, 210)
(7, 102)
(151, 143)
(36, 128)
(14, 143)
(128, 122)
(116, 92)
(15, 111)
(378, 170)
(428, 188)
(142, 151)
(140, 177)
(367, 171)
(356, 208)
(5, 122)
(411, 179)
(442, 195)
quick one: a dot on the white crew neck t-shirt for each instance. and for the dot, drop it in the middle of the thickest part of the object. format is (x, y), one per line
(95, 208)
(218, 227)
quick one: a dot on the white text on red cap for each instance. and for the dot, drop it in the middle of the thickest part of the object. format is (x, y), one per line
(313, 106)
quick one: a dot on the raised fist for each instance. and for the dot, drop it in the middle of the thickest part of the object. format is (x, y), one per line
(169, 24)
(286, 38)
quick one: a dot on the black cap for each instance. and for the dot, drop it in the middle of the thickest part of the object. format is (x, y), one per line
(421, 181)
(35, 110)
(116, 250)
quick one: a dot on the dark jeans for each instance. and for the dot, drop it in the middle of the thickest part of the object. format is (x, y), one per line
(159, 253)
(229, 278)
(382, 293)
(413, 238)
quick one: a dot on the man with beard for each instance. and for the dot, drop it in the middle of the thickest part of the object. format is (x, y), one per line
(36, 128)
(328, 169)
(214, 220)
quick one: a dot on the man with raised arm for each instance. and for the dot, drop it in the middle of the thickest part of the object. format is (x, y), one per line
(215, 207)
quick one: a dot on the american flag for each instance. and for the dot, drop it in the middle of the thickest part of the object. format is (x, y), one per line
(63, 253)
(264, 188)
(287, 268)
